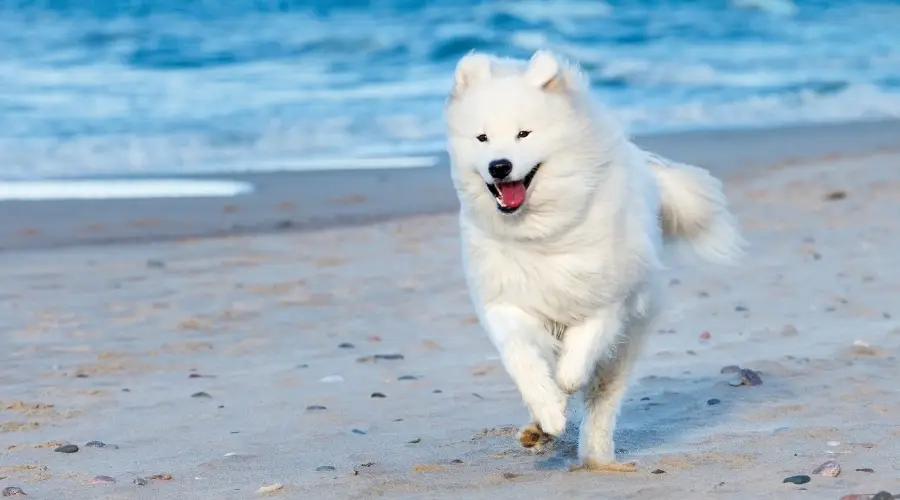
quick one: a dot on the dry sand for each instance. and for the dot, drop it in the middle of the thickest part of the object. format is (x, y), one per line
(227, 365)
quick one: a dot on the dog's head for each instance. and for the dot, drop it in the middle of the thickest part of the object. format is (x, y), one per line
(521, 141)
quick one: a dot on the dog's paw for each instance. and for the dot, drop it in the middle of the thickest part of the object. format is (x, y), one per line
(533, 437)
(592, 465)
(570, 377)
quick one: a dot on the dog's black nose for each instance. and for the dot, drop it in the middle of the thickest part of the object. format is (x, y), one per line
(499, 169)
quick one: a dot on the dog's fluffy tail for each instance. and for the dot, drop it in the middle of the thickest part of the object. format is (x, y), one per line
(695, 212)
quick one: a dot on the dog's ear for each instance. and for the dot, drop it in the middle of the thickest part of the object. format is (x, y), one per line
(544, 71)
(472, 68)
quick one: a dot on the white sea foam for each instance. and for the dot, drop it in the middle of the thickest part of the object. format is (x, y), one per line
(120, 189)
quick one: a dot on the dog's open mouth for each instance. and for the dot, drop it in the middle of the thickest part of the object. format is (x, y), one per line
(510, 196)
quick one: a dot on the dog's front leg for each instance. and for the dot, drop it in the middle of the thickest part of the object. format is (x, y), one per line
(585, 345)
(527, 350)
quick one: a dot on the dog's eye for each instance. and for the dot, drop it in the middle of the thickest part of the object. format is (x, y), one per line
(482, 138)
(523, 134)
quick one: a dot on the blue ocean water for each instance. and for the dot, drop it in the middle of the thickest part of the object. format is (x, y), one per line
(91, 87)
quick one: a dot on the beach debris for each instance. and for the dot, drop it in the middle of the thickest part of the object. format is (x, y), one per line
(741, 308)
(199, 375)
(201, 394)
(730, 369)
(509, 475)
(325, 468)
(705, 335)
(415, 441)
(346, 345)
(140, 481)
(388, 357)
(67, 448)
(436, 391)
(378, 395)
(837, 194)
(161, 477)
(866, 469)
(316, 408)
(801, 479)
(746, 377)
(302, 365)
(657, 471)
(789, 331)
(456, 461)
(427, 467)
(103, 480)
(329, 379)
(713, 401)
(828, 469)
(270, 488)
(407, 377)
(883, 495)
(13, 491)
(833, 443)
(358, 431)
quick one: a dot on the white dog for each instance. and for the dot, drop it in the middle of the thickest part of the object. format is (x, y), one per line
(563, 223)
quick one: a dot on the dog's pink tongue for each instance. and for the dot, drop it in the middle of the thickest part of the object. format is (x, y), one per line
(513, 194)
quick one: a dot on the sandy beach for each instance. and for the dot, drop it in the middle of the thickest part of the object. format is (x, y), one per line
(330, 361)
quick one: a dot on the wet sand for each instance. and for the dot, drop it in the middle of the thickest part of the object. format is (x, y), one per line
(304, 201)
(346, 362)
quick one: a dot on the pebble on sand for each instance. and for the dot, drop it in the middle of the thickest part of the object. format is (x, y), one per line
(730, 369)
(66, 448)
(200, 394)
(103, 480)
(316, 408)
(346, 345)
(746, 377)
(657, 471)
(325, 468)
(100, 444)
(866, 469)
(713, 401)
(883, 495)
(408, 377)
(13, 491)
(415, 441)
(270, 488)
(378, 395)
(828, 469)
(705, 335)
(140, 481)
(802, 479)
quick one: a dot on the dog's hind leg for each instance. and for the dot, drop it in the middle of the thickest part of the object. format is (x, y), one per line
(602, 398)
(527, 351)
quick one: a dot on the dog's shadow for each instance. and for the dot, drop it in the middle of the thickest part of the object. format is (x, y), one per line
(656, 411)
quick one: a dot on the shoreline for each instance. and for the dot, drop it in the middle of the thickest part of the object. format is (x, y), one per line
(298, 201)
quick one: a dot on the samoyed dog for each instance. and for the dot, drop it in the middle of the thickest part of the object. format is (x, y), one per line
(564, 223)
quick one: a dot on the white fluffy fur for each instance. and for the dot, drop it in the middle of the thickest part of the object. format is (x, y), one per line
(568, 286)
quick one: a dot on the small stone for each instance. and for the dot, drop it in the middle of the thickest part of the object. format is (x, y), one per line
(140, 481)
(162, 477)
(302, 365)
(645, 398)
(270, 488)
(325, 468)
(346, 345)
(388, 357)
(13, 491)
(378, 395)
(509, 475)
(456, 461)
(408, 377)
(657, 471)
(835, 195)
(331, 379)
(367, 464)
(883, 495)
(740, 309)
(103, 480)
(436, 391)
(95, 444)
(789, 331)
(357, 431)
(316, 408)
(705, 336)
(415, 441)
(200, 394)
(796, 479)
(746, 377)
(67, 448)
(730, 369)
(866, 469)
(702, 294)
(828, 469)
(713, 401)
